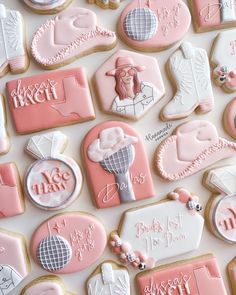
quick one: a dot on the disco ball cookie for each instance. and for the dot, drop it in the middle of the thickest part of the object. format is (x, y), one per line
(199, 276)
(133, 84)
(50, 100)
(193, 146)
(4, 137)
(116, 164)
(149, 234)
(105, 4)
(189, 68)
(109, 278)
(150, 25)
(54, 181)
(47, 6)
(68, 242)
(14, 261)
(13, 55)
(11, 197)
(46, 285)
(229, 118)
(221, 208)
(71, 34)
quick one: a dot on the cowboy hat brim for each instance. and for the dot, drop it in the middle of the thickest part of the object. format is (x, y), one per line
(113, 72)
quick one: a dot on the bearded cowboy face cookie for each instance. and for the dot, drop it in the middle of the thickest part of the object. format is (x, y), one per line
(199, 276)
(72, 34)
(116, 165)
(153, 25)
(14, 261)
(189, 67)
(133, 84)
(159, 231)
(229, 118)
(54, 181)
(47, 6)
(76, 239)
(193, 146)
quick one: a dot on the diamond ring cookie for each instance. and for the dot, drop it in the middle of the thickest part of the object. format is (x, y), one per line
(47, 6)
(150, 25)
(193, 146)
(4, 137)
(116, 165)
(229, 118)
(159, 231)
(54, 181)
(68, 242)
(189, 68)
(133, 84)
(71, 34)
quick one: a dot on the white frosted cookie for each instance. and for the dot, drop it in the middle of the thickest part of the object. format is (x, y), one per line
(47, 6)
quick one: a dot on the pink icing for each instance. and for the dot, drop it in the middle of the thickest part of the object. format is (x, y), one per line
(230, 118)
(50, 100)
(45, 288)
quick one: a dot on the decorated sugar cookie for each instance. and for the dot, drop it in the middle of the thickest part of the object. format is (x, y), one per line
(76, 240)
(165, 229)
(46, 285)
(213, 14)
(221, 208)
(231, 269)
(199, 276)
(14, 261)
(229, 118)
(109, 278)
(112, 4)
(54, 181)
(117, 166)
(189, 67)
(50, 100)
(193, 146)
(133, 84)
(223, 60)
(13, 55)
(150, 25)
(11, 197)
(72, 34)
(4, 137)
(47, 6)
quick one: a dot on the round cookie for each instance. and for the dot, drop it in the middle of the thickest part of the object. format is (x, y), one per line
(47, 6)
(229, 118)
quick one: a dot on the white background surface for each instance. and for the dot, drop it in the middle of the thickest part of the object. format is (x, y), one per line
(29, 221)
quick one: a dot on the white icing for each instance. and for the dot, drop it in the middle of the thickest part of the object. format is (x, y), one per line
(3, 131)
(227, 12)
(9, 279)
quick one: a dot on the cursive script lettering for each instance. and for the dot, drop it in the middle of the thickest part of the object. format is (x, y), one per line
(229, 223)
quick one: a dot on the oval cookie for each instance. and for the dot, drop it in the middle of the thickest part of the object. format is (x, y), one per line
(229, 118)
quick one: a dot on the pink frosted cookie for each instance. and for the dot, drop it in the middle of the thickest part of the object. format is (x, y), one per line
(46, 285)
(13, 55)
(133, 84)
(47, 6)
(4, 137)
(193, 146)
(105, 4)
(229, 118)
(197, 276)
(150, 25)
(159, 231)
(189, 67)
(68, 242)
(117, 166)
(221, 208)
(54, 181)
(231, 269)
(14, 261)
(50, 100)
(11, 197)
(72, 34)
(213, 14)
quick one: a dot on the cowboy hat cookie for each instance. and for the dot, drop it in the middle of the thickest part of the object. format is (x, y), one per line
(153, 25)
(14, 261)
(72, 34)
(11, 197)
(189, 68)
(223, 60)
(4, 137)
(221, 208)
(46, 285)
(199, 276)
(68, 242)
(133, 84)
(105, 4)
(116, 165)
(13, 55)
(50, 100)
(159, 231)
(47, 6)
(193, 146)
(231, 270)
(109, 278)
(213, 14)
(229, 118)
(54, 181)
